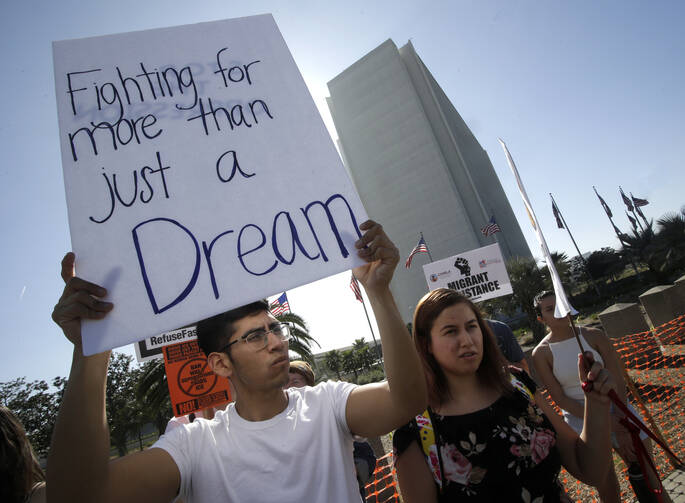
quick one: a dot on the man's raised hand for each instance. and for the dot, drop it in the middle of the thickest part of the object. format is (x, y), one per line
(381, 254)
(80, 300)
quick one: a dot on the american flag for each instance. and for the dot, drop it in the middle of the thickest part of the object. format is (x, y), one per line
(557, 215)
(420, 247)
(626, 200)
(604, 204)
(354, 285)
(638, 202)
(280, 305)
(491, 228)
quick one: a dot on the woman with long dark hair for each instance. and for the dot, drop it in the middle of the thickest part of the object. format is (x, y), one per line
(21, 478)
(488, 434)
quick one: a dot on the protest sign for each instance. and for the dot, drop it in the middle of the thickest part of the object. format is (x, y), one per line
(192, 384)
(199, 175)
(150, 348)
(479, 274)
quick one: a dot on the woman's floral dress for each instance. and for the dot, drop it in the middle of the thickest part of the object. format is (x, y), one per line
(505, 452)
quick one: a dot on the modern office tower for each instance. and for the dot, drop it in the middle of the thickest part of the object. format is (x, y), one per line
(416, 165)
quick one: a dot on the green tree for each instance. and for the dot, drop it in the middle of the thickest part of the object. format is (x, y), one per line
(605, 263)
(645, 247)
(36, 406)
(301, 341)
(122, 407)
(561, 264)
(671, 241)
(365, 357)
(333, 361)
(350, 363)
(526, 282)
(358, 344)
(152, 392)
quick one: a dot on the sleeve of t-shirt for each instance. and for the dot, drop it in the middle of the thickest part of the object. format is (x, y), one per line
(177, 443)
(338, 393)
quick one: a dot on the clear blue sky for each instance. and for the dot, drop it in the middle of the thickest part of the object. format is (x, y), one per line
(582, 92)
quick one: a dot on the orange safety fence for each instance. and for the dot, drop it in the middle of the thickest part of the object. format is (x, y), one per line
(655, 365)
(383, 486)
(655, 362)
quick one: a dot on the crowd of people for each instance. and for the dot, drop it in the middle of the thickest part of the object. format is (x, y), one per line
(469, 422)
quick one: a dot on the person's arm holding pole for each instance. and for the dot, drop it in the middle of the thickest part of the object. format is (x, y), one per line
(378, 408)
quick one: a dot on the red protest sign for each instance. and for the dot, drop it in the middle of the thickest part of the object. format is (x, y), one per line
(192, 384)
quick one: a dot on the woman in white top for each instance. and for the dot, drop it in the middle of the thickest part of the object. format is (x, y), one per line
(555, 361)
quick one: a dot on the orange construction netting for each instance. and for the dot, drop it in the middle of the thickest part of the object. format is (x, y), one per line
(655, 364)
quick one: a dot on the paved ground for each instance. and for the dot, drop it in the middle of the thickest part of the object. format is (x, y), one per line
(675, 486)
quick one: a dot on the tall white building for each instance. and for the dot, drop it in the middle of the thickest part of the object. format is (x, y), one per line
(416, 165)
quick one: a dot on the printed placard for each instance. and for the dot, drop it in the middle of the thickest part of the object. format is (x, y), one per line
(479, 274)
(192, 384)
(151, 347)
(199, 175)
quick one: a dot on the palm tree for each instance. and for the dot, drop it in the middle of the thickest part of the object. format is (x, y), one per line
(334, 362)
(526, 281)
(561, 264)
(671, 240)
(350, 362)
(644, 245)
(365, 357)
(301, 341)
(152, 391)
(358, 344)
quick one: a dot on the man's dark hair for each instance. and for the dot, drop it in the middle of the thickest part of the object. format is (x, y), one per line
(214, 333)
(538, 298)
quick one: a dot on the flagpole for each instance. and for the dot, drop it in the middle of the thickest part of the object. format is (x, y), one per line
(631, 207)
(427, 250)
(563, 220)
(504, 237)
(375, 343)
(637, 208)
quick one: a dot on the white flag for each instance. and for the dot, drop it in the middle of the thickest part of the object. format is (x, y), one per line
(563, 307)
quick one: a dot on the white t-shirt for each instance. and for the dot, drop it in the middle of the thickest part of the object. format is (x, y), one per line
(302, 454)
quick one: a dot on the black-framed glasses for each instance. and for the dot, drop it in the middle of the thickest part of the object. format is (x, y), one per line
(258, 338)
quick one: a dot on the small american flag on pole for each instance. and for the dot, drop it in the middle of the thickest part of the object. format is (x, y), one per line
(491, 227)
(280, 305)
(354, 285)
(419, 248)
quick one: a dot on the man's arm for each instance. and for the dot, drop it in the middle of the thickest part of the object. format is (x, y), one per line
(375, 409)
(78, 464)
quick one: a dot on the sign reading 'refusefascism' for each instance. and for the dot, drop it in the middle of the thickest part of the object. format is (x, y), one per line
(199, 175)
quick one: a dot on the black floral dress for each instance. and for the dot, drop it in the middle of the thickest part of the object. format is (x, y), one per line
(506, 452)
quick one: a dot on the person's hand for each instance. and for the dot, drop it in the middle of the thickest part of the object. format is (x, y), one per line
(625, 448)
(80, 300)
(597, 381)
(381, 254)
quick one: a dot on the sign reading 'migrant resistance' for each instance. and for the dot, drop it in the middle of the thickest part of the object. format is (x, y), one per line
(479, 274)
(199, 175)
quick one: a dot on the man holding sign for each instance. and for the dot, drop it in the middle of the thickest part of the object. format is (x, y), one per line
(248, 452)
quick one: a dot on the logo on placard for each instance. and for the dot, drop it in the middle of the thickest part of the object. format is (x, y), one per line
(196, 378)
(486, 262)
(463, 265)
(434, 277)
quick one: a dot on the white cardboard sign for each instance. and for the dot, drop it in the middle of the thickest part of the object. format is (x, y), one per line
(199, 175)
(479, 274)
